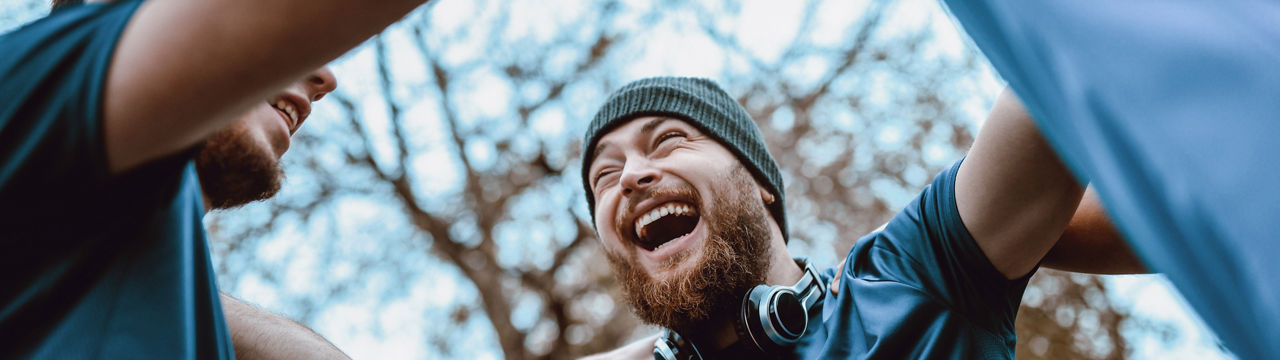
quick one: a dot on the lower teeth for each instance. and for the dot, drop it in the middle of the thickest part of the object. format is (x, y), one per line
(668, 242)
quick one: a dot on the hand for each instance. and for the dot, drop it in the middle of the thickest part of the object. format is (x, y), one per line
(835, 280)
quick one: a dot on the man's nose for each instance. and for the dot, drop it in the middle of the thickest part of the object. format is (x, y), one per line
(320, 82)
(638, 175)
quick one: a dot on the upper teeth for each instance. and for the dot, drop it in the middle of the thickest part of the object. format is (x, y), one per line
(659, 212)
(287, 108)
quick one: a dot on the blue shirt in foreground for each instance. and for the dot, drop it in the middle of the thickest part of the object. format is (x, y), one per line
(1172, 110)
(96, 266)
(919, 289)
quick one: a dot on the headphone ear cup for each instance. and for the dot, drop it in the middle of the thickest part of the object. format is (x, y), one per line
(788, 318)
(748, 324)
(770, 317)
(665, 348)
(662, 350)
(670, 346)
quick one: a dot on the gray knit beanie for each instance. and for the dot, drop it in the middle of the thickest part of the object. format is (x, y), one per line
(703, 104)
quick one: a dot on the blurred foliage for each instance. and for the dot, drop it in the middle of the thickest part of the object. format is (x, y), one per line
(1069, 316)
(436, 195)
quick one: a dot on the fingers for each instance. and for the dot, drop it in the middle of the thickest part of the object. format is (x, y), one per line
(835, 281)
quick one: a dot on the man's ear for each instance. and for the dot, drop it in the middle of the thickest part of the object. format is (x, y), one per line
(766, 195)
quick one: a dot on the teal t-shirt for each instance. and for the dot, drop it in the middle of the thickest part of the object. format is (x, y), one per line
(95, 266)
(918, 289)
(1172, 110)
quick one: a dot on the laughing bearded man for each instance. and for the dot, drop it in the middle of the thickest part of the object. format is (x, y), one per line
(688, 204)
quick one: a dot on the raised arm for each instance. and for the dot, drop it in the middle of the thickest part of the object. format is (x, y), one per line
(1014, 195)
(184, 69)
(1091, 244)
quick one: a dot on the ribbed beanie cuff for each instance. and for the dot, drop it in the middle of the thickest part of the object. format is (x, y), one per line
(703, 104)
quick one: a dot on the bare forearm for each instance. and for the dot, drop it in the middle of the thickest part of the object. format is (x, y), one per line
(639, 349)
(1092, 244)
(259, 334)
(184, 69)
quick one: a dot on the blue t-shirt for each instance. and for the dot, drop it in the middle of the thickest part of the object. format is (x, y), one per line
(95, 266)
(1172, 110)
(918, 289)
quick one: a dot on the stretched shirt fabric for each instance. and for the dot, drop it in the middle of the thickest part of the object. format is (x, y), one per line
(1172, 110)
(95, 266)
(918, 289)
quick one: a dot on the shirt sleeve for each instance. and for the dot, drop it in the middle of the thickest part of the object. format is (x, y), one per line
(926, 246)
(52, 76)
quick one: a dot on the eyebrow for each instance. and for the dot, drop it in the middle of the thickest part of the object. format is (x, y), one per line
(648, 127)
(645, 131)
(599, 149)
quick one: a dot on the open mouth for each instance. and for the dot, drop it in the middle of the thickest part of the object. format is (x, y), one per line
(289, 110)
(664, 223)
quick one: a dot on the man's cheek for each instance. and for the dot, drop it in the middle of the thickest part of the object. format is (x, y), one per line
(611, 243)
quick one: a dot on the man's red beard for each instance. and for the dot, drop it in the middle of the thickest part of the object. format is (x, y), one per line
(233, 171)
(734, 259)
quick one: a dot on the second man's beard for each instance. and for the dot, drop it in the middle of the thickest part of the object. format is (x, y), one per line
(734, 259)
(233, 171)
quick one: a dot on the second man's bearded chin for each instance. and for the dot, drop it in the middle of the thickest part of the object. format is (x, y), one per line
(234, 172)
(735, 258)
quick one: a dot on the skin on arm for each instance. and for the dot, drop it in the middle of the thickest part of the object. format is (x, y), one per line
(1014, 196)
(260, 334)
(1092, 244)
(185, 69)
(639, 349)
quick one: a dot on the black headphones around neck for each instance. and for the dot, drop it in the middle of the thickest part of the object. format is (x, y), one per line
(771, 317)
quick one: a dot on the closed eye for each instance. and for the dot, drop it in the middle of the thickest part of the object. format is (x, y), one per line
(601, 175)
(667, 136)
